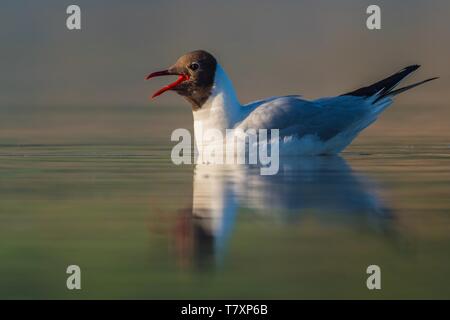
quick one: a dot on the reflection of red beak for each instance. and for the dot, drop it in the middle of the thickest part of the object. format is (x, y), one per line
(181, 78)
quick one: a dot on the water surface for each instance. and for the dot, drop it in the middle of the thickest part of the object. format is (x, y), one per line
(141, 227)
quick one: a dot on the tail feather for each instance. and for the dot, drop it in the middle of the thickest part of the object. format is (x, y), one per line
(384, 88)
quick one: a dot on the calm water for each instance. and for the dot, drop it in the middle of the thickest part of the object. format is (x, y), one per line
(140, 227)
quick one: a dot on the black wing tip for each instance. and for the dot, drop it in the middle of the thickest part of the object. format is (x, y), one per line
(411, 68)
(429, 79)
(386, 85)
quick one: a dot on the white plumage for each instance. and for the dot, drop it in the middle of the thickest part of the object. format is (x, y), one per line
(322, 126)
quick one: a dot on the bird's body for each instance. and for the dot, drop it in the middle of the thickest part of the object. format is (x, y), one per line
(322, 126)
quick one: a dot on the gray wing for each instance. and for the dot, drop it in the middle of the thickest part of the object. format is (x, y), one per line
(292, 115)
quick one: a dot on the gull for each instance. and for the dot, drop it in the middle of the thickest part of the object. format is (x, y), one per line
(314, 127)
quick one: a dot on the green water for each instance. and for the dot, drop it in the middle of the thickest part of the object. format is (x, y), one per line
(141, 227)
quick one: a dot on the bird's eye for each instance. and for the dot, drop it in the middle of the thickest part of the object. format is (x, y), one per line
(194, 66)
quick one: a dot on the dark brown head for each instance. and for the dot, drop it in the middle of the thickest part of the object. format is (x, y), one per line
(196, 71)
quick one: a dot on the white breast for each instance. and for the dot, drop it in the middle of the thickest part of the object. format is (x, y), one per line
(221, 111)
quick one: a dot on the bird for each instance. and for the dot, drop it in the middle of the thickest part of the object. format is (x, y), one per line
(323, 126)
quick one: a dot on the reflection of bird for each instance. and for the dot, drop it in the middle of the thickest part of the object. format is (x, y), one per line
(324, 187)
(326, 125)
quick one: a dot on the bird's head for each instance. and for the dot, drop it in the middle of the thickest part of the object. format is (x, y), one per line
(196, 71)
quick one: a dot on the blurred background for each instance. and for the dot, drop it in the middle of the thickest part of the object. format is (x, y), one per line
(89, 83)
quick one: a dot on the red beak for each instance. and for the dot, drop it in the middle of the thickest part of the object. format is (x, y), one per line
(181, 78)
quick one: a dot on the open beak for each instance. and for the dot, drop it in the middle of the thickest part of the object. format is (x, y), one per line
(181, 78)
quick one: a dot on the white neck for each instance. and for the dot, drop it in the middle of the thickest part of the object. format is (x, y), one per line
(222, 110)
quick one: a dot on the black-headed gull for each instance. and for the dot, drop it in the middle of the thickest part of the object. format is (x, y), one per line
(321, 126)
